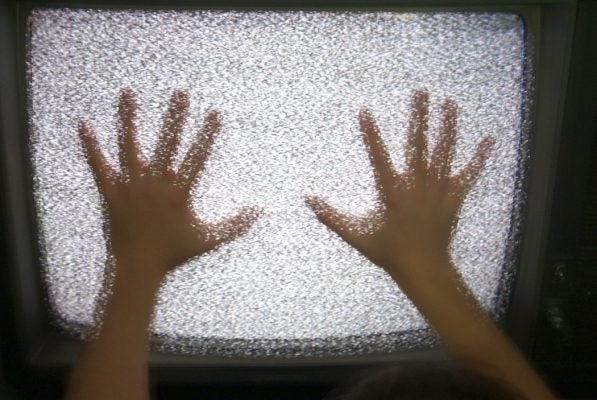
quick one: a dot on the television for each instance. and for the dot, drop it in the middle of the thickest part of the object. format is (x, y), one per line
(289, 301)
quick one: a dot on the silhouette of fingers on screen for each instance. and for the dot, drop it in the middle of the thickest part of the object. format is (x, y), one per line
(147, 209)
(418, 207)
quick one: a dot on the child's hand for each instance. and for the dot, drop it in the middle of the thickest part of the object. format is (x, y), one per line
(150, 224)
(420, 205)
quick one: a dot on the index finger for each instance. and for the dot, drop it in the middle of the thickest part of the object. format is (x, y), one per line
(380, 159)
(416, 153)
(127, 131)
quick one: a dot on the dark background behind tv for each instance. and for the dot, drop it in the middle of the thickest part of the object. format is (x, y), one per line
(565, 343)
(564, 347)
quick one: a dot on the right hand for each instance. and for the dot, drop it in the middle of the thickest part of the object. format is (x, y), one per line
(419, 206)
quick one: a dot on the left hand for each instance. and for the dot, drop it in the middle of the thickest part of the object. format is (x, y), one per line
(149, 222)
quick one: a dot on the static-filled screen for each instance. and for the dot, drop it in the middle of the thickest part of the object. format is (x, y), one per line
(289, 86)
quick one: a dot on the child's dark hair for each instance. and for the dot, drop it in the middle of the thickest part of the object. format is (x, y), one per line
(423, 381)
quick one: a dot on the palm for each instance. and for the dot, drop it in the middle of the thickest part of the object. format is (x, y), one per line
(155, 215)
(148, 208)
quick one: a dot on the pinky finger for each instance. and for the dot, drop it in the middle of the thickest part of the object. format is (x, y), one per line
(467, 178)
(103, 173)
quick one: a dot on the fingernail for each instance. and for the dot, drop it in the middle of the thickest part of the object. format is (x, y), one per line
(450, 105)
(214, 116)
(312, 201)
(421, 95)
(180, 96)
(127, 93)
(82, 127)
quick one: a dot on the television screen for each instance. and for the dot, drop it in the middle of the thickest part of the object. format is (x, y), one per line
(289, 85)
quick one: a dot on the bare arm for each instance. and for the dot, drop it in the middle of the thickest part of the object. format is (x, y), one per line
(150, 229)
(411, 242)
(114, 364)
(467, 333)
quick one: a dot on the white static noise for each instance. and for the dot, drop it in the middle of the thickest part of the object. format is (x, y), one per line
(289, 86)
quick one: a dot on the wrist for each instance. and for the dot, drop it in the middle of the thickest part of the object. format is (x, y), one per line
(413, 266)
(132, 291)
(432, 282)
(139, 264)
(132, 281)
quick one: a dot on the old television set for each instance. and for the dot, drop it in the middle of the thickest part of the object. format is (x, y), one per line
(289, 301)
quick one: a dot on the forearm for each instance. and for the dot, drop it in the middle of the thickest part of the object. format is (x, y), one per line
(446, 302)
(114, 364)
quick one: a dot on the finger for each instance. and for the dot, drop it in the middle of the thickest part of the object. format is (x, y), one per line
(231, 228)
(471, 172)
(443, 154)
(171, 130)
(416, 151)
(127, 142)
(103, 173)
(344, 226)
(198, 154)
(378, 155)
